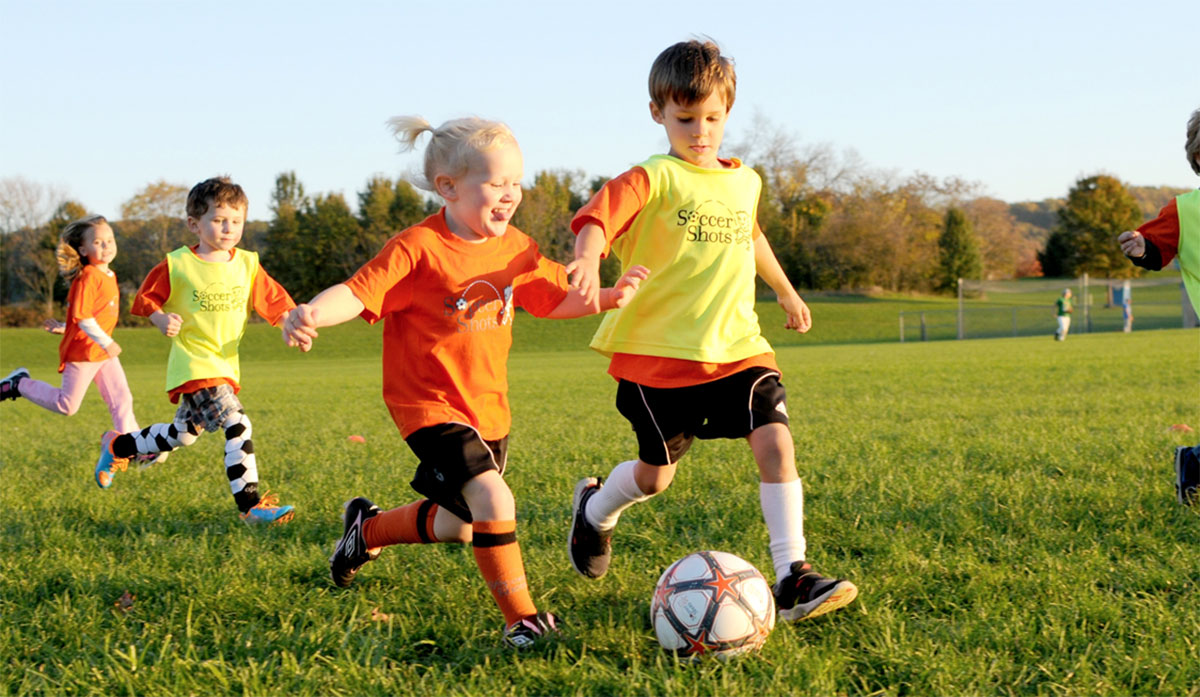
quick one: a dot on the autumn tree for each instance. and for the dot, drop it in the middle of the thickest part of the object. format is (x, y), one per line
(1098, 208)
(546, 210)
(790, 210)
(34, 263)
(799, 186)
(156, 200)
(1003, 250)
(152, 224)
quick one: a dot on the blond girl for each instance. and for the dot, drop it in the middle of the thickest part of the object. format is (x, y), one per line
(446, 289)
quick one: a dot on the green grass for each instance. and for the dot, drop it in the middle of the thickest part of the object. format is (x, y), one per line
(1005, 506)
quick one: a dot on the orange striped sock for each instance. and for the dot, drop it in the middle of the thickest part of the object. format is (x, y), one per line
(411, 524)
(499, 558)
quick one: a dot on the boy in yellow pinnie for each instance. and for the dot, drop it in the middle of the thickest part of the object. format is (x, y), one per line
(200, 296)
(687, 351)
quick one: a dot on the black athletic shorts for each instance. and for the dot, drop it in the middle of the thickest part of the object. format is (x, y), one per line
(451, 455)
(667, 420)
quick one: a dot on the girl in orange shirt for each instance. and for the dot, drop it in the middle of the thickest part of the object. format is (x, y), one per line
(87, 352)
(446, 289)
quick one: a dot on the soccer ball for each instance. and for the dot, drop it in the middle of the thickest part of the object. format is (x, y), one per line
(712, 603)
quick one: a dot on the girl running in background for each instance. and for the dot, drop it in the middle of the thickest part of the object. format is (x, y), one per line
(87, 352)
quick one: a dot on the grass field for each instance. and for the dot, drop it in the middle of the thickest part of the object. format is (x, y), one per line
(1005, 506)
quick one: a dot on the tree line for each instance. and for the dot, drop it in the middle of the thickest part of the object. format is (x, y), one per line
(834, 223)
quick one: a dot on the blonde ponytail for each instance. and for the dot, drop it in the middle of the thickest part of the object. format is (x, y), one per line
(451, 145)
(407, 129)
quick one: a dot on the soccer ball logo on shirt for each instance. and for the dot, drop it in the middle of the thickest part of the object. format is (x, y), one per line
(216, 298)
(714, 222)
(480, 307)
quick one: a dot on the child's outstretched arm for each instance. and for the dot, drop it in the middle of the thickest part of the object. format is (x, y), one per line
(798, 316)
(577, 305)
(54, 326)
(584, 272)
(334, 305)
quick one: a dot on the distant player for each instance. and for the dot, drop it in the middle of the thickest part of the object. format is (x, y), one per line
(446, 289)
(688, 353)
(200, 297)
(1062, 311)
(1176, 232)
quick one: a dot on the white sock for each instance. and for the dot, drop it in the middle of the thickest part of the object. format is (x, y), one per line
(620, 491)
(783, 511)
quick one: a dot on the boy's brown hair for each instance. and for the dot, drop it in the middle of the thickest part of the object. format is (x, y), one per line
(217, 191)
(689, 72)
(1192, 145)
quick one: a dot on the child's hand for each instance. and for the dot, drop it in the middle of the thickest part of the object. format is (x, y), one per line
(1132, 244)
(628, 284)
(168, 323)
(798, 317)
(113, 349)
(54, 326)
(300, 327)
(584, 275)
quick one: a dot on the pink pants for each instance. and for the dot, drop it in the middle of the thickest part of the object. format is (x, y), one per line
(109, 378)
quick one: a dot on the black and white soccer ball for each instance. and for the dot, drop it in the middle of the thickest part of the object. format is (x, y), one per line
(712, 603)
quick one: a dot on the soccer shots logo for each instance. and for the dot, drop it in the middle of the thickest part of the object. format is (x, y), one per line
(215, 297)
(713, 222)
(480, 307)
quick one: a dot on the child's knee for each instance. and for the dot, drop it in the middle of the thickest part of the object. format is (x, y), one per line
(652, 479)
(448, 527)
(489, 498)
(774, 452)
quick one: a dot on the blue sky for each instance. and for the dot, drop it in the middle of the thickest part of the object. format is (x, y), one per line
(99, 98)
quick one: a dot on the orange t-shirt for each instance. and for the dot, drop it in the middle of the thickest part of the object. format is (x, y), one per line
(613, 208)
(1163, 231)
(447, 306)
(269, 299)
(93, 294)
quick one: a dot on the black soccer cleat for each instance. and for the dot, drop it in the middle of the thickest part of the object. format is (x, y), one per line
(525, 632)
(590, 549)
(8, 386)
(804, 593)
(1187, 475)
(351, 551)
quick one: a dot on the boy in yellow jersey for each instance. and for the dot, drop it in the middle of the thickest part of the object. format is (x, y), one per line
(200, 297)
(687, 351)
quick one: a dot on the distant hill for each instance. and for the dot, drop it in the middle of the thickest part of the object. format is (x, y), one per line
(1151, 199)
(1035, 219)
